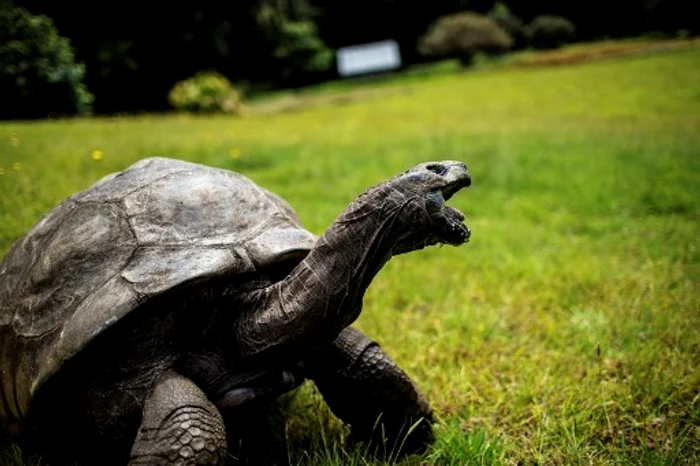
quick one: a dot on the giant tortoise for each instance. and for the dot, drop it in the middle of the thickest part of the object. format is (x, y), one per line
(138, 314)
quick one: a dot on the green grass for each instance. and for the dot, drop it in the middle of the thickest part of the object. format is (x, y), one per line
(565, 332)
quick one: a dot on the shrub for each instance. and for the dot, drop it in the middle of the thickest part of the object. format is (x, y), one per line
(297, 49)
(300, 50)
(550, 32)
(38, 73)
(462, 35)
(207, 92)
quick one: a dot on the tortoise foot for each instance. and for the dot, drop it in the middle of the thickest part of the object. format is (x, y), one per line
(180, 426)
(365, 388)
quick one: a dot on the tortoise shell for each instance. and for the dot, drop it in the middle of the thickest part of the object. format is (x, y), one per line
(135, 234)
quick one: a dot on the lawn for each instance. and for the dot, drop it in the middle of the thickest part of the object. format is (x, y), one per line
(565, 332)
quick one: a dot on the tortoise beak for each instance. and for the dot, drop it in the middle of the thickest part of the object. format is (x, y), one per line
(447, 221)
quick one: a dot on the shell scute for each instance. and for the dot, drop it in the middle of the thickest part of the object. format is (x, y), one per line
(199, 207)
(158, 224)
(92, 244)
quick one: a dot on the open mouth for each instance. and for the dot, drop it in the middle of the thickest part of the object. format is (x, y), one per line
(447, 221)
(449, 224)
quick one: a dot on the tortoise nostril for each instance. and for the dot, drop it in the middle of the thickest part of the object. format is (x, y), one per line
(437, 169)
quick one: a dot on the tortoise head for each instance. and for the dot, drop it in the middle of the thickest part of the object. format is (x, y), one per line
(323, 293)
(413, 206)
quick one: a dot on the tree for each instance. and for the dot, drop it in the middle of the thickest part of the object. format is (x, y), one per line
(550, 32)
(594, 19)
(297, 49)
(351, 22)
(38, 73)
(462, 35)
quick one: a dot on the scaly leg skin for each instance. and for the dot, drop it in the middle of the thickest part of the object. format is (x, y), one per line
(255, 426)
(180, 426)
(366, 389)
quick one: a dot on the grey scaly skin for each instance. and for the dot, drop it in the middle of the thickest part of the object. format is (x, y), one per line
(308, 314)
(323, 294)
(154, 386)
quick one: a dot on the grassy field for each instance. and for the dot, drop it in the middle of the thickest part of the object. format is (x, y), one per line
(566, 332)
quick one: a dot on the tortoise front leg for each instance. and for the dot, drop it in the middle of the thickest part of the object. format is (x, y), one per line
(179, 426)
(365, 388)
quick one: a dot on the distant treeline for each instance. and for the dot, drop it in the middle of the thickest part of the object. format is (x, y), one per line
(134, 51)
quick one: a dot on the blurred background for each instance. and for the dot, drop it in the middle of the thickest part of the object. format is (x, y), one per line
(79, 56)
(565, 332)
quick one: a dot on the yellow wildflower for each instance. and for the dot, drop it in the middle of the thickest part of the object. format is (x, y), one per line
(97, 155)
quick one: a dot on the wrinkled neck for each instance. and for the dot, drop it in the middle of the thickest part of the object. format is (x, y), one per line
(345, 261)
(324, 293)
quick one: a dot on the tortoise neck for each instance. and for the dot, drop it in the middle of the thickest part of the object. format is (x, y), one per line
(323, 294)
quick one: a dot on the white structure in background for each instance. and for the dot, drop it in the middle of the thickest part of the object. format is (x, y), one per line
(368, 58)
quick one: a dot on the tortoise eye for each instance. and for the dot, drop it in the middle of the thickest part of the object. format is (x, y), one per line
(437, 169)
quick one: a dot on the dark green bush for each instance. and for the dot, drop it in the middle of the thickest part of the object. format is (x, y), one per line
(38, 74)
(300, 50)
(550, 32)
(206, 92)
(462, 35)
(297, 49)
